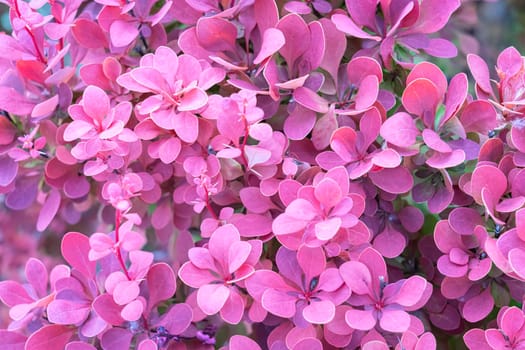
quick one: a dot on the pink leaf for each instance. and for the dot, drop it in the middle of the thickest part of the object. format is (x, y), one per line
(393, 320)
(77, 129)
(147, 344)
(410, 292)
(368, 92)
(161, 283)
(122, 33)
(421, 96)
(75, 250)
(387, 158)
(211, 298)
(360, 319)
(464, 220)
(50, 337)
(390, 242)
(517, 262)
(108, 310)
(297, 37)
(480, 71)
(125, 292)
(310, 100)
(45, 108)
(116, 338)
(88, 34)
(328, 193)
(490, 177)
(273, 40)
(319, 312)
(238, 252)
(279, 303)
(479, 116)
(96, 103)
(149, 79)
(327, 229)
(475, 340)
(132, 311)
(393, 180)
(216, 34)
(36, 274)
(478, 307)
(510, 61)
(241, 342)
(12, 293)
(186, 126)
(193, 100)
(299, 123)
(346, 25)
(357, 276)
(233, 308)
(312, 261)
(66, 312)
(12, 340)
(400, 130)
(49, 210)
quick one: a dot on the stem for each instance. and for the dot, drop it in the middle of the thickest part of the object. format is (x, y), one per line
(31, 35)
(60, 47)
(208, 204)
(118, 217)
(245, 139)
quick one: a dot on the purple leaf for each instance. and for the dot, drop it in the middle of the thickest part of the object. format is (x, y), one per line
(178, 318)
(161, 283)
(116, 338)
(67, 312)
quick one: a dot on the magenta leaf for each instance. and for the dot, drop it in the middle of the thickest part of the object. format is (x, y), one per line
(12, 340)
(50, 337)
(400, 130)
(478, 307)
(161, 283)
(75, 249)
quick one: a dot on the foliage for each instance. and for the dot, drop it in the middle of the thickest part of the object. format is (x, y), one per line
(253, 174)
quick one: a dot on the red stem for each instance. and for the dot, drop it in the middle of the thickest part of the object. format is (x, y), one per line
(208, 204)
(31, 35)
(60, 47)
(117, 239)
(245, 139)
